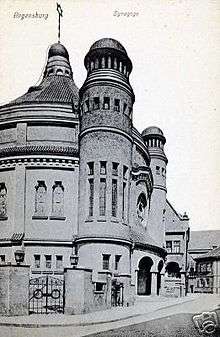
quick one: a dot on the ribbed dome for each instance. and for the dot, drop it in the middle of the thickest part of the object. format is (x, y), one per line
(57, 85)
(108, 43)
(53, 89)
(152, 130)
(57, 49)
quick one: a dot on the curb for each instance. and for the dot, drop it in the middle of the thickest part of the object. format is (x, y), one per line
(40, 325)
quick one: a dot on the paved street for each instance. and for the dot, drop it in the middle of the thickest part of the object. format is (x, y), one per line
(171, 321)
(175, 326)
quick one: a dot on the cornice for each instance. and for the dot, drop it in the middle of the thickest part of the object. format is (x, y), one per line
(40, 161)
(103, 239)
(38, 149)
(105, 128)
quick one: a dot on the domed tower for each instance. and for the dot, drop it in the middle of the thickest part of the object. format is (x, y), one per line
(155, 140)
(39, 166)
(106, 100)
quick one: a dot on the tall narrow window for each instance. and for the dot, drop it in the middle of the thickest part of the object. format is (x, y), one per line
(3, 201)
(102, 197)
(125, 170)
(115, 169)
(58, 199)
(117, 259)
(169, 246)
(91, 168)
(40, 199)
(106, 103)
(96, 64)
(48, 261)
(117, 105)
(59, 262)
(141, 208)
(157, 170)
(91, 196)
(96, 103)
(114, 197)
(125, 107)
(103, 62)
(105, 261)
(36, 261)
(86, 105)
(176, 246)
(102, 167)
(123, 200)
(109, 62)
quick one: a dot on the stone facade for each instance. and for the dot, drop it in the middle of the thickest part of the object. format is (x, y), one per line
(77, 180)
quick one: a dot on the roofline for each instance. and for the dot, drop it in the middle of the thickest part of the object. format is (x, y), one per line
(180, 218)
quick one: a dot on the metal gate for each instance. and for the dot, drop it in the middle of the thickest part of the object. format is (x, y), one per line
(117, 295)
(46, 295)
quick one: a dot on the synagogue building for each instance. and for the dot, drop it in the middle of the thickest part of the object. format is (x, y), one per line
(83, 210)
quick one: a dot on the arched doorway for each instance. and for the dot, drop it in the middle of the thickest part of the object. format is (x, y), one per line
(144, 276)
(173, 270)
(159, 268)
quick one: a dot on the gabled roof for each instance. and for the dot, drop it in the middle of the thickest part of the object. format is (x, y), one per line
(204, 239)
(213, 254)
(175, 222)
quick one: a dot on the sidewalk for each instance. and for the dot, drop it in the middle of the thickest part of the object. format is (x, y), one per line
(143, 305)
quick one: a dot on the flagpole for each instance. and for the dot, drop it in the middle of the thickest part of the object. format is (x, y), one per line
(60, 13)
(59, 30)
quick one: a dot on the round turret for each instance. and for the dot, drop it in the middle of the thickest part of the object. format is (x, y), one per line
(106, 100)
(155, 140)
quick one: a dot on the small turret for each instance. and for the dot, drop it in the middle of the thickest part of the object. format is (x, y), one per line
(155, 140)
(58, 61)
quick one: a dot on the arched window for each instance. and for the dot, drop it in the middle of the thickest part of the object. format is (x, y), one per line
(40, 199)
(173, 270)
(59, 71)
(3, 201)
(141, 207)
(58, 200)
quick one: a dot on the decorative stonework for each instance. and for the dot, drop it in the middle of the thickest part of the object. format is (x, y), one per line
(40, 162)
(143, 174)
(38, 149)
(40, 200)
(58, 201)
(3, 202)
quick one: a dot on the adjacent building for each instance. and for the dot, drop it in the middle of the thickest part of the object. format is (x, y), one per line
(202, 261)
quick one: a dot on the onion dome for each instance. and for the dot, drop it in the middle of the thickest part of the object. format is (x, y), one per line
(57, 49)
(57, 85)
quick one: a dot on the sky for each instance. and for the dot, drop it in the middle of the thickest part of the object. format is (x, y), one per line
(174, 46)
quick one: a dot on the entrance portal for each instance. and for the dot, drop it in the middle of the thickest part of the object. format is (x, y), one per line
(144, 276)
